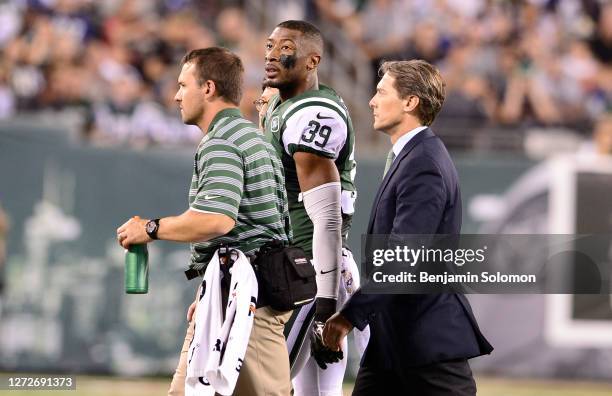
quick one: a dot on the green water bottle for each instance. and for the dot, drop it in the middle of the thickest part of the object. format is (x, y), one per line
(137, 269)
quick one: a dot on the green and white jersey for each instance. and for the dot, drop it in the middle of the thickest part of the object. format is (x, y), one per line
(238, 174)
(318, 122)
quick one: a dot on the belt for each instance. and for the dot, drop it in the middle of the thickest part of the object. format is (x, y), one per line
(193, 273)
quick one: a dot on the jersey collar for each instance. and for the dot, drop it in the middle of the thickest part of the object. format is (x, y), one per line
(322, 87)
(230, 112)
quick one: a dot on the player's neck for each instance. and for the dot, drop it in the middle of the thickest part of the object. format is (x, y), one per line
(309, 83)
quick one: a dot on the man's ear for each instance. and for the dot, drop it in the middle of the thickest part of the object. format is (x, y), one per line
(209, 89)
(411, 103)
(313, 61)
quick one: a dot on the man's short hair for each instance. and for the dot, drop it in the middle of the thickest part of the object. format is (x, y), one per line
(419, 78)
(309, 31)
(221, 66)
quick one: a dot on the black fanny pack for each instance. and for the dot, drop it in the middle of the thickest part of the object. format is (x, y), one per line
(285, 275)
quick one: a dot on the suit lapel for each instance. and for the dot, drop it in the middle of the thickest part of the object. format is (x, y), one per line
(407, 149)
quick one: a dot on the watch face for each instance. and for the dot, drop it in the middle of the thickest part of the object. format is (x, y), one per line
(151, 226)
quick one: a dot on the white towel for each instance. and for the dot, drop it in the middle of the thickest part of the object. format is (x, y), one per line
(217, 351)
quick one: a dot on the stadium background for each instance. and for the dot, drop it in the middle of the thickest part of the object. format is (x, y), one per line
(89, 136)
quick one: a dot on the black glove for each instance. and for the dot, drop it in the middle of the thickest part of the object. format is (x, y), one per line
(324, 309)
(322, 354)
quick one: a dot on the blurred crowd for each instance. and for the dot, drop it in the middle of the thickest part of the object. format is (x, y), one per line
(107, 69)
(530, 62)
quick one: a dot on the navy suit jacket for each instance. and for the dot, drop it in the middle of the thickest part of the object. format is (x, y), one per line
(418, 195)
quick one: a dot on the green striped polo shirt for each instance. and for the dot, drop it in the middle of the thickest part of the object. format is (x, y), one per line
(238, 174)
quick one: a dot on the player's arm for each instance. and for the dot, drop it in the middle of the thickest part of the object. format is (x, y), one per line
(320, 185)
(190, 226)
(314, 170)
(214, 209)
(314, 137)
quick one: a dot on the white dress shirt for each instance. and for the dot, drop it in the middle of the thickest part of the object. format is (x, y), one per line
(403, 141)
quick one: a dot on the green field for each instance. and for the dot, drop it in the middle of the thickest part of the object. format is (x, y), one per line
(105, 386)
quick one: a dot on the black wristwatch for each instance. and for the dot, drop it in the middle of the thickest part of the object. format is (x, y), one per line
(152, 227)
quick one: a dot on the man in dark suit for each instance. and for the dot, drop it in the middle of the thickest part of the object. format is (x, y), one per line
(420, 343)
